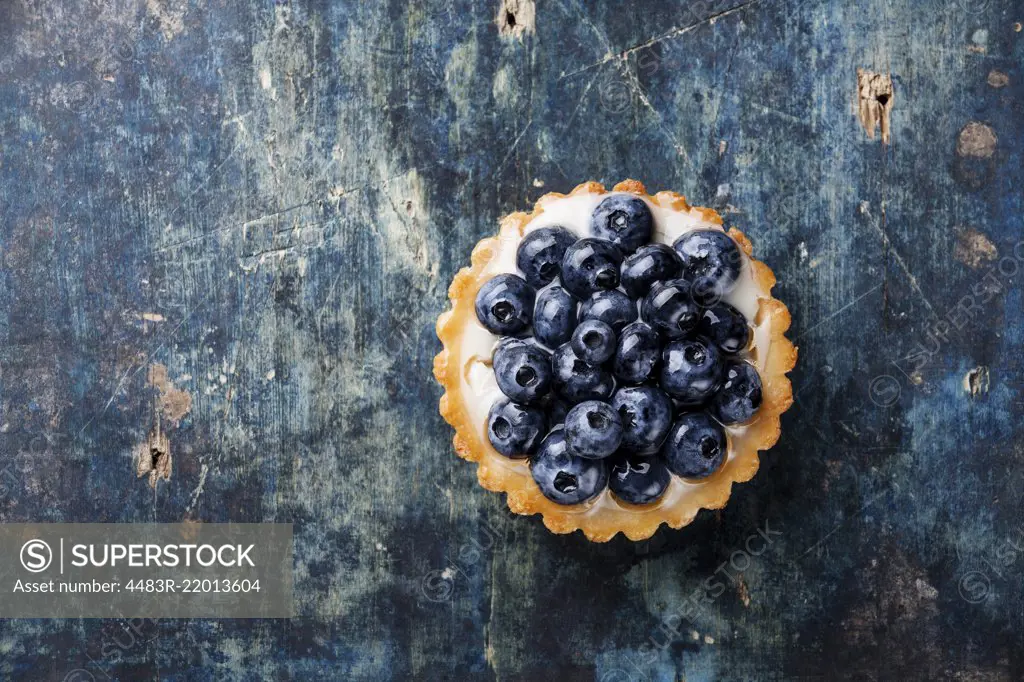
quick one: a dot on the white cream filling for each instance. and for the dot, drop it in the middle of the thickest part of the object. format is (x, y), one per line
(476, 343)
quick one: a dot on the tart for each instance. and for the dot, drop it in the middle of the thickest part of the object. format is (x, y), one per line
(614, 361)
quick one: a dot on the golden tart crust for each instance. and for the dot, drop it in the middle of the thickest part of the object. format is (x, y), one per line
(500, 474)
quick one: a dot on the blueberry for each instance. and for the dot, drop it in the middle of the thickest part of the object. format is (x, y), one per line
(695, 447)
(556, 410)
(593, 430)
(515, 430)
(651, 263)
(504, 304)
(611, 306)
(638, 480)
(593, 342)
(563, 477)
(590, 265)
(577, 381)
(540, 254)
(646, 414)
(637, 353)
(726, 327)
(711, 261)
(740, 395)
(691, 371)
(506, 343)
(669, 308)
(523, 371)
(554, 316)
(623, 220)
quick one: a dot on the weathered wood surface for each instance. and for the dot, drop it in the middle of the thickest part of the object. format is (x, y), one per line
(242, 217)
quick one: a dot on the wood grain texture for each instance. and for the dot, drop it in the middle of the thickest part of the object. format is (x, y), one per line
(269, 200)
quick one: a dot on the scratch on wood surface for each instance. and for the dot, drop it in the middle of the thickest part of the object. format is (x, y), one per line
(660, 38)
(633, 83)
(835, 314)
(512, 149)
(865, 209)
(672, 33)
(203, 471)
(874, 102)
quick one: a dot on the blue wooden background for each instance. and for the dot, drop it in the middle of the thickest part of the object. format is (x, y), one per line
(235, 222)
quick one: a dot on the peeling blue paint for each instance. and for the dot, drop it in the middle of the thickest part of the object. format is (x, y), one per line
(287, 188)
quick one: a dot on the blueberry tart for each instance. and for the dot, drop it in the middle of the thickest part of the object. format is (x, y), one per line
(614, 361)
